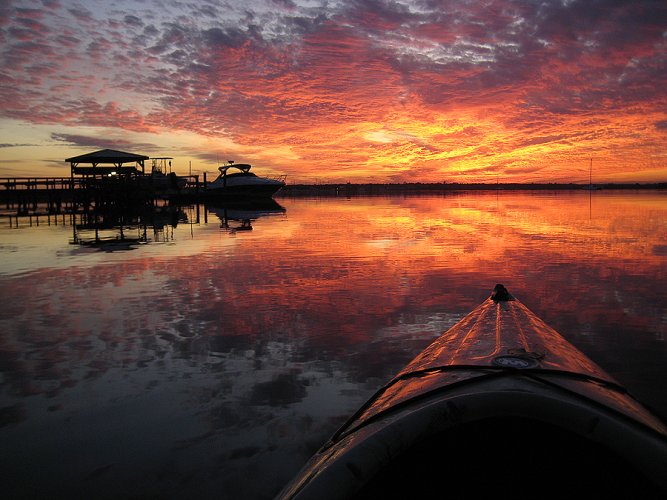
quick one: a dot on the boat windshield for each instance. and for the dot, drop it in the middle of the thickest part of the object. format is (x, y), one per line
(243, 167)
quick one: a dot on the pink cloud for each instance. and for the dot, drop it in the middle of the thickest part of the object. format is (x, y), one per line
(318, 82)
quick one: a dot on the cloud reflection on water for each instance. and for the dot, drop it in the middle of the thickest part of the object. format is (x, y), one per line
(199, 365)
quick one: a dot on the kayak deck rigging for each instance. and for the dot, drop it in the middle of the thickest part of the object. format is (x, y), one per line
(474, 372)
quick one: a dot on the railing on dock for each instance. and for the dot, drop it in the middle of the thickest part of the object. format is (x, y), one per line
(14, 184)
(24, 193)
(9, 184)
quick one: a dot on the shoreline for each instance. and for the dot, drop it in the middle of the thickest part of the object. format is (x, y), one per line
(295, 190)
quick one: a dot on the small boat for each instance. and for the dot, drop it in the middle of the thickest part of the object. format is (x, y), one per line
(162, 178)
(242, 183)
(499, 406)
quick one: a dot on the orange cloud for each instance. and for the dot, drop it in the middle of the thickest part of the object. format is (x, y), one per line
(368, 91)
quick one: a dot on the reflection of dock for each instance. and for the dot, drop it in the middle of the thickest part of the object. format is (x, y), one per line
(38, 217)
(109, 228)
(125, 227)
(110, 231)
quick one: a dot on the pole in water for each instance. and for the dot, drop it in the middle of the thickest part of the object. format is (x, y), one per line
(590, 174)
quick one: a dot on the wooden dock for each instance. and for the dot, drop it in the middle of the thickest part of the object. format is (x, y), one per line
(23, 195)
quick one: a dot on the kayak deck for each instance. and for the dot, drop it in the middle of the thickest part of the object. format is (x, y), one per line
(502, 382)
(496, 337)
(503, 328)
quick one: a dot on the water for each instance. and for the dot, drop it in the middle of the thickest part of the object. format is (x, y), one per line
(210, 360)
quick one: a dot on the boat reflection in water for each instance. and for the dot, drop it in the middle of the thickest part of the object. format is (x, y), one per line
(239, 215)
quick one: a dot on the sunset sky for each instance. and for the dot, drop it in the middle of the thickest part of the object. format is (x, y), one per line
(341, 91)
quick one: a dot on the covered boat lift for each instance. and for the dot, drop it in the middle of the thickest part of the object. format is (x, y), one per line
(110, 179)
(107, 162)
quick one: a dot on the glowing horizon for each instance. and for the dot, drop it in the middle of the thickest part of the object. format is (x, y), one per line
(346, 91)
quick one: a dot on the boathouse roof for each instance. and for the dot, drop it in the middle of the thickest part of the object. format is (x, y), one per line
(105, 156)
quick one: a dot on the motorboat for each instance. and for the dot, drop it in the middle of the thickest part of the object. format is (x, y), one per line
(236, 180)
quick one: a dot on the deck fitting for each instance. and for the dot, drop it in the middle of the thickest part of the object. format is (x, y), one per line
(501, 294)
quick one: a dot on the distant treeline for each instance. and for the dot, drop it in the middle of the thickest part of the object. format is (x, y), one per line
(418, 187)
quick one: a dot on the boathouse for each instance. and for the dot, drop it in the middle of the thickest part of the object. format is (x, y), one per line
(107, 162)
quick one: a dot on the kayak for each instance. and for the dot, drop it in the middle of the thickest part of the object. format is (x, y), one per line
(500, 405)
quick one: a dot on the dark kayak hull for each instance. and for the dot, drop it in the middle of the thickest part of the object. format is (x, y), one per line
(499, 405)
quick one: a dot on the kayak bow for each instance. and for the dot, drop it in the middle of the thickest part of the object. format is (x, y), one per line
(501, 405)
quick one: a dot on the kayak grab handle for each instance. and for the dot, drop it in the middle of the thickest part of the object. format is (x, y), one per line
(501, 294)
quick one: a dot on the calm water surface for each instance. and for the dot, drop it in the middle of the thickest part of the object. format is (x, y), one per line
(210, 360)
